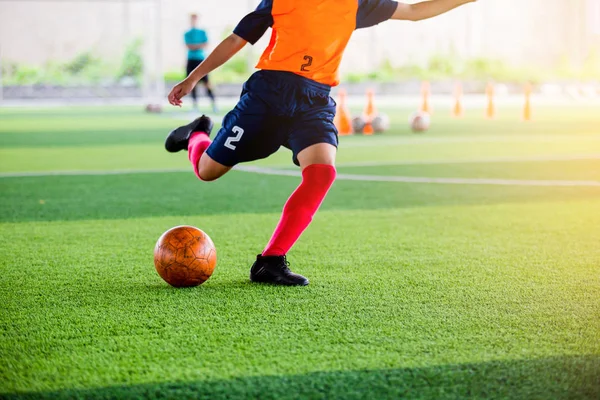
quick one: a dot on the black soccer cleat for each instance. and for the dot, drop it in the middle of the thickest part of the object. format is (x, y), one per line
(178, 138)
(275, 270)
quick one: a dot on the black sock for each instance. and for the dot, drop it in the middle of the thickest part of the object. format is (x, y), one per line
(210, 94)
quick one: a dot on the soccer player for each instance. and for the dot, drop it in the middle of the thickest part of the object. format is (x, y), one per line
(286, 103)
(196, 41)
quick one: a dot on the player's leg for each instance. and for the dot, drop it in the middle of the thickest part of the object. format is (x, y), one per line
(246, 135)
(210, 170)
(315, 147)
(210, 92)
(318, 174)
(195, 138)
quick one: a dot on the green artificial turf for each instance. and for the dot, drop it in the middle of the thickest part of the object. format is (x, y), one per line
(417, 290)
(575, 170)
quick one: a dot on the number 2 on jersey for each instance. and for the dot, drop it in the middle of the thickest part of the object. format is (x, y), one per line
(234, 139)
(304, 67)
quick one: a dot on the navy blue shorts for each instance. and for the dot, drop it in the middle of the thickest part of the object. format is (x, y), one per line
(276, 109)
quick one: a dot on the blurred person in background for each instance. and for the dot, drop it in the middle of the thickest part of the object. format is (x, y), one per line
(196, 41)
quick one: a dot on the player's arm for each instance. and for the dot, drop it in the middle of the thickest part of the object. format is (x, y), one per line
(220, 55)
(250, 29)
(426, 9)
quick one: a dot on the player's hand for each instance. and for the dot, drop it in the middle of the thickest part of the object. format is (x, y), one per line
(181, 90)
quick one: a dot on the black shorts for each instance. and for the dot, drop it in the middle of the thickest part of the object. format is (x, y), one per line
(276, 109)
(191, 65)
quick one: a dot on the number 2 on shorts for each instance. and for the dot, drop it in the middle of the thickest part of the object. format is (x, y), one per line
(234, 139)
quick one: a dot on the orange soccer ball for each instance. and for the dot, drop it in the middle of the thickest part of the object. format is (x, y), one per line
(185, 256)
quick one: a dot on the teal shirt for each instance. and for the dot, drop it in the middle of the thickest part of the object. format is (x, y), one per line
(196, 36)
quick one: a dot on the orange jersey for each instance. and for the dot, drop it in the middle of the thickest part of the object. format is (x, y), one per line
(309, 36)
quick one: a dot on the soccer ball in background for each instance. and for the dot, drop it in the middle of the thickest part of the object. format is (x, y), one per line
(153, 108)
(358, 124)
(420, 121)
(381, 123)
(185, 256)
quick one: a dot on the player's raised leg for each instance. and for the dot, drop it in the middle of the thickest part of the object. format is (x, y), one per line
(195, 138)
(318, 174)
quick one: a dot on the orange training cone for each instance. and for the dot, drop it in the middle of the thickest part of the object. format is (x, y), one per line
(458, 110)
(425, 93)
(343, 119)
(491, 108)
(527, 108)
(369, 114)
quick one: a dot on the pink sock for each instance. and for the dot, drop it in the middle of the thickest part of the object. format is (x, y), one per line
(197, 145)
(300, 208)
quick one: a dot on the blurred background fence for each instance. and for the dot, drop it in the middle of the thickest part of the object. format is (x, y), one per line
(133, 49)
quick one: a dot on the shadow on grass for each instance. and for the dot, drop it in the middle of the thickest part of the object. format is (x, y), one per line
(550, 378)
(56, 198)
(213, 286)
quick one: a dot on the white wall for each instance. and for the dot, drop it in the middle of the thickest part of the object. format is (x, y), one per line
(520, 31)
(531, 32)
